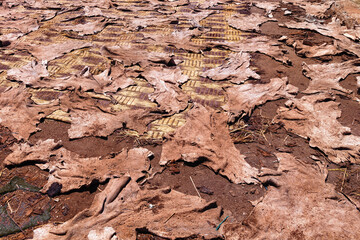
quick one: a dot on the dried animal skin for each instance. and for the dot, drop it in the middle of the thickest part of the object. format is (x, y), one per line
(268, 6)
(91, 25)
(72, 171)
(316, 51)
(178, 38)
(52, 51)
(125, 208)
(316, 9)
(24, 152)
(244, 98)
(301, 205)
(87, 81)
(347, 12)
(94, 11)
(24, 25)
(260, 44)
(112, 13)
(109, 80)
(41, 4)
(136, 23)
(326, 77)
(10, 36)
(205, 136)
(79, 100)
(194, 17)
(169, 98)
(167, 92)
(236, 69)
(18, 114)
(169, 75)
(248, 22)
(209, 3)
(84, 81)
(315, 117)
(118, 83)
(93, 123)
(332, 29)
(105, 4)
(98, 123)
(173, 3)
(18, 17)
(120, 78)
(28, 74)
(108, 233)
(130, 55)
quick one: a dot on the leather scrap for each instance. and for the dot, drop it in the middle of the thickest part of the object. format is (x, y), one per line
(315, 117)
(311, 209)
(123, 207)
(242, 99)
(326, 77)
(237, 69)
(73, 171)
(205, 136)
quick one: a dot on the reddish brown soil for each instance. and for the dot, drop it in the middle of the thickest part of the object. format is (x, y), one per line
(211, 186)
(86, 147)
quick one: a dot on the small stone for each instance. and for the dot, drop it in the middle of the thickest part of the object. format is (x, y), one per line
(231, 192)
(287, 12)
(283, 38)
(358, 82)
(290, 143)
(205, 190)
(65, 210)
(315, 158)
(54, 189)
(284, 149)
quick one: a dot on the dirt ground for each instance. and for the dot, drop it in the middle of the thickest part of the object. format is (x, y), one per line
(259, 134)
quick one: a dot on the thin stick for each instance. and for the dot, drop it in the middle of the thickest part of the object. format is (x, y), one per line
(195, 187)
(342, 184)
(17, 224)
(169, 218)
(336, 169)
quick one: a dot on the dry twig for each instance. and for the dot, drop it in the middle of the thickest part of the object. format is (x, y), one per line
(195, 187)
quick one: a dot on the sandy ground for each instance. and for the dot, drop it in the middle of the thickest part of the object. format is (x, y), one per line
(104, 79)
